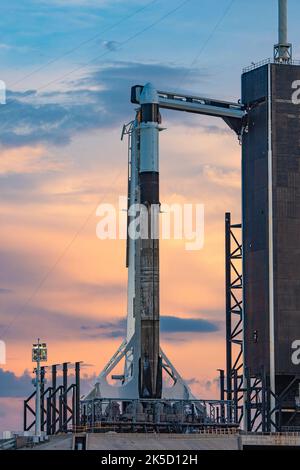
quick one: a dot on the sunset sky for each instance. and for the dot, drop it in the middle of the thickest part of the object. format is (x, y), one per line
(68, 66)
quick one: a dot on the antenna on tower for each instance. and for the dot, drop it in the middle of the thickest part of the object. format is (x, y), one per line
(283, 50)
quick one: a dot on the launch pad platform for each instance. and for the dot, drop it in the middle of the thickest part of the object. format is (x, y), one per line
(163, 416)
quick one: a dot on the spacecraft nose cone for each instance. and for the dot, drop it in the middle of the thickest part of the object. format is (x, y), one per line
(149, 95)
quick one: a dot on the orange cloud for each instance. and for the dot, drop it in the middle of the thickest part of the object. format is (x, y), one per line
(54, 229)
(26, 160)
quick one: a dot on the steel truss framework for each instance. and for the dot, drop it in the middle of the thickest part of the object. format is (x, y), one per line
(60, 403)
(251, 396)
(260, 415)
(234, 315)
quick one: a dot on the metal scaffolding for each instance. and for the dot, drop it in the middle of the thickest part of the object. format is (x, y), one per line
(255, 406)
(60, 403)
(234, 316)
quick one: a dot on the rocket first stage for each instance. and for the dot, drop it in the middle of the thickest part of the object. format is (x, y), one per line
(150, 370)
(144, 359)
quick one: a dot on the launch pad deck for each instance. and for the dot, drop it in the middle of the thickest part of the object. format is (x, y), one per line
(164, 416)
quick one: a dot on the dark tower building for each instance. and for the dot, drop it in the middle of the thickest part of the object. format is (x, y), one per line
(271, 222)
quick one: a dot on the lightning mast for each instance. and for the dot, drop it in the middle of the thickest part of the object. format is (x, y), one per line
(283, 50)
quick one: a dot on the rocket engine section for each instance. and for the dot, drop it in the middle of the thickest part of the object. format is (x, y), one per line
(147, 258)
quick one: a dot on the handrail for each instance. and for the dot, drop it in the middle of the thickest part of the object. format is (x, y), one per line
(256, 65)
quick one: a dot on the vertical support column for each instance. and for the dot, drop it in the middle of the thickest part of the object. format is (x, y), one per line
(263, 400)
(248, 404)
(43, 371)
(236, 396)
(65, 397)
(60, 412)
(282, 13)
(73, 407)
(271, 245)
(228, 305)
(25, 416)
(222, 394)
(77, 394)
(49, 416)
(150, 361)
(93, 415)
(53, 419)
(283, 50)
(234, 314)
(38, 395)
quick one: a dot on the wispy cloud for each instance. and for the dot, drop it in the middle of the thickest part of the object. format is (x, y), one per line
(5, 47)
(168, 325)
(100, 100)
(14, 386)
(187, 325)
(5, 291)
